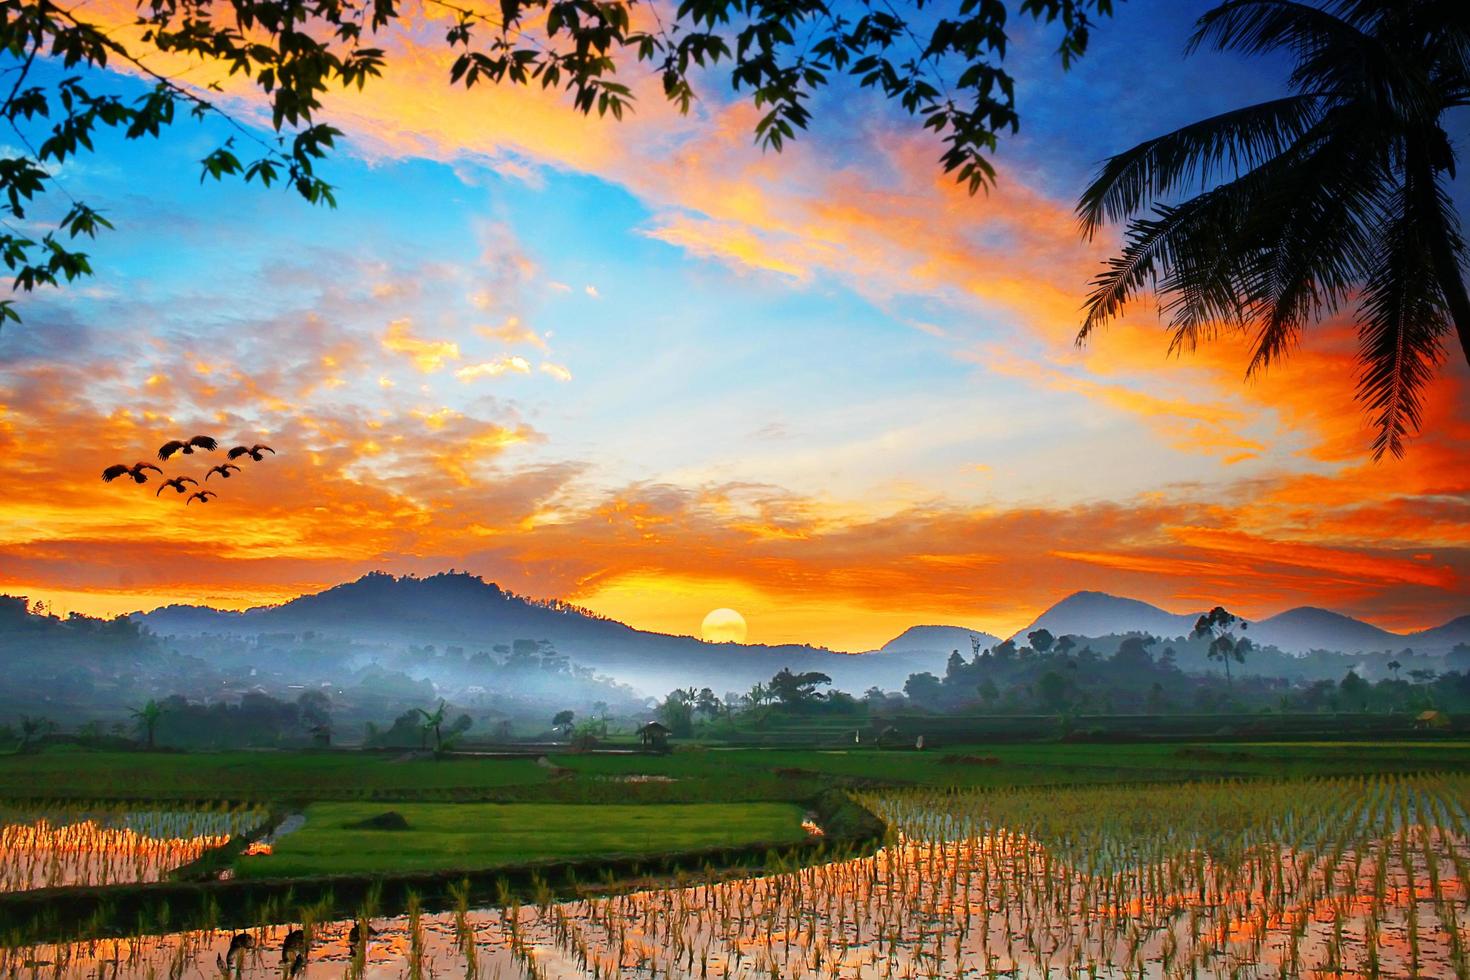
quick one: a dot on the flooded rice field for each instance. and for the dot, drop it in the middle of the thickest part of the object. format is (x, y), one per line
(49, 846)
(1338, 878)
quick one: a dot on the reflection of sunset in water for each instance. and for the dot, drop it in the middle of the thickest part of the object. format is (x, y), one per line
(1326, 878)
(44, 849)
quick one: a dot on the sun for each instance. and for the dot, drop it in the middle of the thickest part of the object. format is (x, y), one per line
(723, 626)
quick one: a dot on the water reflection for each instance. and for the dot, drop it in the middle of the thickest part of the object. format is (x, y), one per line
(54, 846)
(1374, 885)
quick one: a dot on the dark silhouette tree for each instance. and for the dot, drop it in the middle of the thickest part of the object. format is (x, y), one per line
(1393, 668)
(923, 688)
(778, 53)
(797, 689)
(1041, 640)
(33, 728)
(1052, 689)
(1219, 626)
(147, 718)
(433, 724)
(1333, 194)
(562, 721)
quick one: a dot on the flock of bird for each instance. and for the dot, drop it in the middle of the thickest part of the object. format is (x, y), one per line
(187, 447)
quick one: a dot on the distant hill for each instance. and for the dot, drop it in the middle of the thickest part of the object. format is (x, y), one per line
(454, 608)
(1455, 632)
(938, 639)
(1308, 628)
(1300, 630)
(1100, 614)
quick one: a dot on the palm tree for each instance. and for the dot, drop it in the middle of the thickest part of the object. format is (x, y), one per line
(1393, 667)
(147, 718)
(433, 723)
(758, 694)
(1333, 194)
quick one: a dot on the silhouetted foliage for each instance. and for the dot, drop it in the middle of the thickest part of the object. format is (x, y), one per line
(940, 62)
(1335, 194)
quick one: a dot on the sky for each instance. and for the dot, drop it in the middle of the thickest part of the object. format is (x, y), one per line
(648, 368)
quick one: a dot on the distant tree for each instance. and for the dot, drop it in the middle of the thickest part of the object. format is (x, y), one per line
(147, 718)
(1051, 690)
(874, 696)
(1422, 675)
(1040, 640)
(954, 667)
(1157, 700)
(1393, 668)
(796, 689)
(1065, 644)
(988, 692)
(1219, 626)
(33, 728)
(1354, 690)
(316, 714)
(1132, 653)
(600, 709)
(1004, 651)
(1337, 193)
(562, 721)
(923, 688)
(707, 703)
(677, 713)
(433, 724)
(758, 694)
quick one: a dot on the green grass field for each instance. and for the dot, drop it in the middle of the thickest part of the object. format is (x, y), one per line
(699, 774)
(253, 775)
(1032, 764)
(475, 836)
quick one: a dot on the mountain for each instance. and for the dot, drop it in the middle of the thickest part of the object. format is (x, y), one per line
(1300, 630)
(1100, 614)
(1455, 632)
(1308, 628)
(938, 639)
(461, 609)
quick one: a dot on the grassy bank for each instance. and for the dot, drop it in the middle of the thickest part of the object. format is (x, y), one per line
(68, 914)
(477, 836)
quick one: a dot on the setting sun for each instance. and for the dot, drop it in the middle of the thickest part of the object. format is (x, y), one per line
(723, 626)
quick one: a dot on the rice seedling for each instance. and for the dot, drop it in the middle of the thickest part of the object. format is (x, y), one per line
(1324, 877)
(66, 844)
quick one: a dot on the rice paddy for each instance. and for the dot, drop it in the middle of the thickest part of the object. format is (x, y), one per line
(64, 845)
(1325, 878)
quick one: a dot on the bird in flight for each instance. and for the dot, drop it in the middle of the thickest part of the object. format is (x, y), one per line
(223, 470)
(135, 471)
(187, 446)
(254, 452)
(203, 496)
(177, 483)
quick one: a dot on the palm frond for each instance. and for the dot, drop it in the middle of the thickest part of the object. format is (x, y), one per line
(1320, 220)
(1261, 26)
(1203, 152)
(1400, 334)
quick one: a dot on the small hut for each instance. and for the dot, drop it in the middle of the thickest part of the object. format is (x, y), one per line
(1431, 720)
(654, 736)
